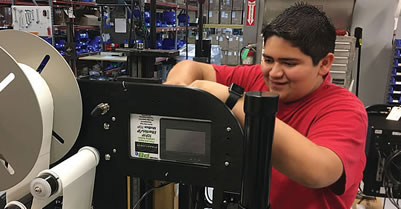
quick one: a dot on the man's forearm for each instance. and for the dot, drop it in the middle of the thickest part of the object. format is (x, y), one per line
(186, 72)
(303, 161)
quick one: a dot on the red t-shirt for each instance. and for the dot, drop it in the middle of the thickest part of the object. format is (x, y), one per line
(332, 117)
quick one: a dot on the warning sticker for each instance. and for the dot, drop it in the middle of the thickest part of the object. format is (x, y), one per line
(145, 136)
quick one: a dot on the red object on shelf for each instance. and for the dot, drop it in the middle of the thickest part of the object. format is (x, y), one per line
(111, 46)
(341, 32)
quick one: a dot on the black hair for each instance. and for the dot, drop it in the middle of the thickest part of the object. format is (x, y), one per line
(307, 28)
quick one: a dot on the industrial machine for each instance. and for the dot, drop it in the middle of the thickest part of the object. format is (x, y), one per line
(382, 172)
(81, 143)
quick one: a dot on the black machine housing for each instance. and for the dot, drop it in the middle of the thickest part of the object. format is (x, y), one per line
(219, 166)
(382, 175)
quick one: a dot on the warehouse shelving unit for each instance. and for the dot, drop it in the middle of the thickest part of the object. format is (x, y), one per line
(394, 91)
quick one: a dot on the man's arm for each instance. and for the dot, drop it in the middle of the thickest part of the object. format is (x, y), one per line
(293, 154)
(187, 71)
(303, 161)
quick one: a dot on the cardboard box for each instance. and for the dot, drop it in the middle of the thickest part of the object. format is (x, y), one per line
(214, 39)
(60, 17)
(225, 17)
(236, 17)
(234, 43)
(225, 5)
(224, 58)
(165, 197)
(192, 17)
(191, 39)
(223, 42)
(213, 17)
(232, 58)
(214, 5)
(90, 20)
(238, 4)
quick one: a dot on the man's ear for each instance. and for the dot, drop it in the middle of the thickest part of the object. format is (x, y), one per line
(325, 64)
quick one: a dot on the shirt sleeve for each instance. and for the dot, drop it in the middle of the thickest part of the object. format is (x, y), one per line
(342, 127)
(248, 77)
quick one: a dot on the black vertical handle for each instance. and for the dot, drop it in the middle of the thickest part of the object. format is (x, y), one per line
(358, 36)
(260, 113)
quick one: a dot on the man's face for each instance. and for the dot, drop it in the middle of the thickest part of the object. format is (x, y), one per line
(289, 72)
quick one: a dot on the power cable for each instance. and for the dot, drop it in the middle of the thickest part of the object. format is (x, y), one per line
(147, 192)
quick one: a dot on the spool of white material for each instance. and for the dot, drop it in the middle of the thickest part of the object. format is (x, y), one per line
(75, 178)
(27, 107)
(59, 78)
(44, 98)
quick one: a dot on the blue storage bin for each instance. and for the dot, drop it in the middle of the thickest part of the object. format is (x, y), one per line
(170, 18)
(395, 90)
(394, 99)
(168, 44)
(60, 45)
(147, 18)
(398, 42)
(180, 44)
(394, 71)
(136, 13)
(47, 39)
(83, 35)
(395, 80)
(159, 19)
(159, 44)
(182, 19)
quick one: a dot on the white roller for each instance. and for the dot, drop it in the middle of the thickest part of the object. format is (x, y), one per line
(75, 178)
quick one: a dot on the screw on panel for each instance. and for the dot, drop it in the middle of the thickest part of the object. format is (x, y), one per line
(226, 163)
(228, 129)
(107, 157)
(113, 118)
(114, 151)
(166, 174)
(225, 201)
(106, 126)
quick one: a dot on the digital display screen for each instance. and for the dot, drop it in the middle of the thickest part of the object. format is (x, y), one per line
(185, 141)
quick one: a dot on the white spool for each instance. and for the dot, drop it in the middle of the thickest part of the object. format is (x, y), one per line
(27, 107)
(30, 50)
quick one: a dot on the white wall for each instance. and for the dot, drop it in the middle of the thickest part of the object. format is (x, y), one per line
(376, 17)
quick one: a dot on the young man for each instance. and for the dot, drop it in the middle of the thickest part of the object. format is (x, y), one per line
(320, 132)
